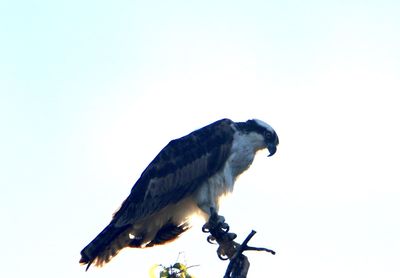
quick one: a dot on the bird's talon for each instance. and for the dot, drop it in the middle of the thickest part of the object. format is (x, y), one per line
(224, 227)
(211, 239)
(206, 228)
(222, 257)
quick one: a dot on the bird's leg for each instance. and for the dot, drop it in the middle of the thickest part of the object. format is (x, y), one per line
(215, 224)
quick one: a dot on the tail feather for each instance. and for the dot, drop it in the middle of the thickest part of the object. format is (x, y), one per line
(168, 233)
(112, 239)
(105, 246)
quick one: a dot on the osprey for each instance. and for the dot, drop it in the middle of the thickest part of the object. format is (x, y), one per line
(187, 177)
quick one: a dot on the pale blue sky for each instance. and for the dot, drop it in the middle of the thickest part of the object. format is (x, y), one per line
(92, 90)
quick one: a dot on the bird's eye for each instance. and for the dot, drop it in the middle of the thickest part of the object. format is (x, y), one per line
(268, 135)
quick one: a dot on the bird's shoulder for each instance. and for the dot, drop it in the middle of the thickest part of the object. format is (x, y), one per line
(195, 145)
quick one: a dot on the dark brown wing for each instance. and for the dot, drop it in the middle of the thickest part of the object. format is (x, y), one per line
(177, 171)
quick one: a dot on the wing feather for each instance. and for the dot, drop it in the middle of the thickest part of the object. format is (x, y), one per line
(177, 171)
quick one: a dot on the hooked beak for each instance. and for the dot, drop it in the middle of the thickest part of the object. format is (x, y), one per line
(271, 146)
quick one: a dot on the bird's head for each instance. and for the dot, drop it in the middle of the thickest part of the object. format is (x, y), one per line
(266, 134)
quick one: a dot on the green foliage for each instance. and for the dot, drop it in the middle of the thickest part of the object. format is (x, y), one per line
(178, 270)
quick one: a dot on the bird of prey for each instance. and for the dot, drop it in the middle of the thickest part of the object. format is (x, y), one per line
(187, 177)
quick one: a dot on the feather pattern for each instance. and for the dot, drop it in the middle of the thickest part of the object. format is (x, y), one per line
(163, 189)
(177, 171)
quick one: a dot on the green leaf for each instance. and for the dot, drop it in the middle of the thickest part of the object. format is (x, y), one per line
(180, 266)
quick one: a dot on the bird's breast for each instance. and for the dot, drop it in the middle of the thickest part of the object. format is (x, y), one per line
(218, 185)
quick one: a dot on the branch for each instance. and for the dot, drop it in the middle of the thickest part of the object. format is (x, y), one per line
(239, 264)
(229, 249)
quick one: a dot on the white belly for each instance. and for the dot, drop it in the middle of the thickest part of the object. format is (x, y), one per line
(209, 192)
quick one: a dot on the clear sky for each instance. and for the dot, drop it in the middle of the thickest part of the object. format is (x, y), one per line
(92, 90)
